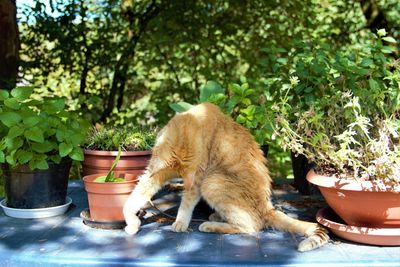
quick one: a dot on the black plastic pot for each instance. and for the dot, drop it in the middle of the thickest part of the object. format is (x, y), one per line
(265, 149)
(301, 167)
(27, 189)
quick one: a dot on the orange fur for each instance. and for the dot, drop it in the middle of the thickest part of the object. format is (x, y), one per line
(219, 161)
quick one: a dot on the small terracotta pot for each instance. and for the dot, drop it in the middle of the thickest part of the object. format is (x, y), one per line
(359, 203)
(97, 161)
(106, 200)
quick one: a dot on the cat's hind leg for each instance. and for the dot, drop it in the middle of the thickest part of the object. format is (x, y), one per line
(232, 217)
(232, 220)
(215, 217)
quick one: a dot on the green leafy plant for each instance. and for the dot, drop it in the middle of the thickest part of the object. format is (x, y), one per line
(342, 111)
(110, 138)
(35, 131)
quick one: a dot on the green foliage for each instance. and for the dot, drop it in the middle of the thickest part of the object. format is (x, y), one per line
(127, 138)
(35, 130)
(341, 109)
(75, 49)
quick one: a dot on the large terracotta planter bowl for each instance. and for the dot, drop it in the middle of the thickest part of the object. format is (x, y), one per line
(365, 235)
(106, 200)
(97, 161)
(359, 203)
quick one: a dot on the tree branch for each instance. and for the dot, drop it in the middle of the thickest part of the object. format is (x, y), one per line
(122, 65)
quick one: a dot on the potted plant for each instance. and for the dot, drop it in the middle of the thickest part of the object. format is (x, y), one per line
(39, 138)
(347, 122)
(101, 149)
(107, 194)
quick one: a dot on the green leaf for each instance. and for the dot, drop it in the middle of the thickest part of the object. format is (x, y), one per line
(110, 174)
(22, 93)
(65, 149)
(210, 88)
(40, 164)
(11, 160)
(241, 119)
(42, 147)
(15, 131)
(2, 157)
(76, 138)
(35, 134)
(180, 106)
(374, 85)
(12, 103)
(10, 118)
(283, 60)
(236, 88)
(76, 154)
(56, 158)
(4, 94)
(308, 90)
(249, 92)
(389, 39)
(60, 134)
(13, 143)
(31, 121)
(366, 62)
(103, 179)
(24, 156)
(54, 105)
(246, 101)
(387, 49)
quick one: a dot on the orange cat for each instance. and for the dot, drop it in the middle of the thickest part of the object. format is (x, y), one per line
(219, 161)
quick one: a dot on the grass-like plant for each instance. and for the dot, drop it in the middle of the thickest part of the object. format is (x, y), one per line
(111, 138)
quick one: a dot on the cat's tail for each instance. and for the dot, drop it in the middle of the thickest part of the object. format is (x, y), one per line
(317, 236)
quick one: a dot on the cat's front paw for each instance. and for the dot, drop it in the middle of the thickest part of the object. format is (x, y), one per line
(133, 225)
(179, 226)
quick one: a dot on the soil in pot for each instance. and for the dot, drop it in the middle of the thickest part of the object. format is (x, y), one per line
(27, 189)
(106, 200)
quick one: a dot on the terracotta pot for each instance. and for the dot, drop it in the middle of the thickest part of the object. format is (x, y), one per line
(365, 235)
(359, 203)
(97, 161)
(106, 200)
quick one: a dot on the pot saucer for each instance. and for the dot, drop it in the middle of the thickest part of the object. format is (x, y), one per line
(372, 236)
(35, 213)
(108, 225)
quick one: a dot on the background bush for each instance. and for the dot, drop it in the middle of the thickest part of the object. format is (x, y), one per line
(123, 62)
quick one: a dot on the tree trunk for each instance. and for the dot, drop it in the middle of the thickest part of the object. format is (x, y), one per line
(121, 68)
(9, 44)
(374, 16)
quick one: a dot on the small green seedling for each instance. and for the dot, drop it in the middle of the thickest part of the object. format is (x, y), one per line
(110, 177)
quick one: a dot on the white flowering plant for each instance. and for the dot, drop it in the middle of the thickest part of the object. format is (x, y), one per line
(342, 111)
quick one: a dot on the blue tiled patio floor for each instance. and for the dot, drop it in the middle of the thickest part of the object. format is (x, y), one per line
(66, 241)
